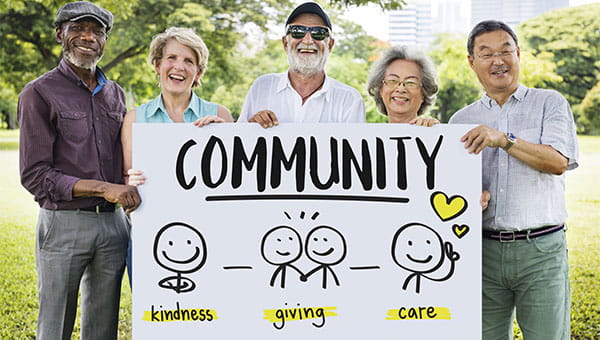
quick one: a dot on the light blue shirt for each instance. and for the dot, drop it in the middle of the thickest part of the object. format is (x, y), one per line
(154, 111)
(523, 197)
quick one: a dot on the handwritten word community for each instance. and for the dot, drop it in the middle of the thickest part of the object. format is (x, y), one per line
(267, 159)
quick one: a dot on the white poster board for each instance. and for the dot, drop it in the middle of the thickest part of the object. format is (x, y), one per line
(313, 231)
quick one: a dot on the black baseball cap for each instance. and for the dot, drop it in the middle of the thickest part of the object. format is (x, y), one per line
(77, 10)
(311, 8)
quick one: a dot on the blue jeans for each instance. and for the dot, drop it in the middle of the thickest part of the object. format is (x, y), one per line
(530, 277)
(80, 248)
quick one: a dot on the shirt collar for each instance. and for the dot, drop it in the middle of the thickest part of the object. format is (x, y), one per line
(194, 105)
(68, 72)
(157, 105)
(284, 83)
(101, 79)
(520, 92)
(518, 95)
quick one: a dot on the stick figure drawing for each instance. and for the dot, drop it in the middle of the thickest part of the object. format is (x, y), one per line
(180, 248)
(327, 247)
(420, 250)
(281, 246)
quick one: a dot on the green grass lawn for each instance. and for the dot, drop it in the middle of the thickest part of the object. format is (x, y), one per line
(18, 214)
(9, 139)
(583, 235)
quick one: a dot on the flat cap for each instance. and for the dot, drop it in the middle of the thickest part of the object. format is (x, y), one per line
(77, 10)
(310, 8)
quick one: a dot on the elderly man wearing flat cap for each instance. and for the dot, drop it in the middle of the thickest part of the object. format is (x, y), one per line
(70, 160)
(303, 94)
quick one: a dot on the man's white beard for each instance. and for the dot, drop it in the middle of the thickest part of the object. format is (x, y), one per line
(307, 65)
(90, 65)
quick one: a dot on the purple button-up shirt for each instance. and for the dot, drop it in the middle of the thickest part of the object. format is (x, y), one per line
(68, 133)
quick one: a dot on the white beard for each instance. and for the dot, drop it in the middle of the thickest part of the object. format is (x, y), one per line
(90, 65)
(307, 65)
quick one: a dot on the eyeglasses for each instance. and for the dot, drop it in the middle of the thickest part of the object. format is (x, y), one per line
(489, 56)
(408, 84)
(299, 31)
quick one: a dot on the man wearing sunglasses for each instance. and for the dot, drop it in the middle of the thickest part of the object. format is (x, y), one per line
(303, 94)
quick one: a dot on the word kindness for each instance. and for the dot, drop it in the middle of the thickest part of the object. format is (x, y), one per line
(267, 159)
(158, 314)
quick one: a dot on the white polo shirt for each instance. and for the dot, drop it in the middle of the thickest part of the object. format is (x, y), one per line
(333, 103)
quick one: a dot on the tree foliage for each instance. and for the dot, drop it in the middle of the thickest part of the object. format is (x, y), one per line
(8, 105)
(384, 4)
(572, 36)
(590, 111)
(538, 70)
(458, 83)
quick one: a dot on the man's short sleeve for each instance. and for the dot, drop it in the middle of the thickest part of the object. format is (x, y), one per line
(559, 129)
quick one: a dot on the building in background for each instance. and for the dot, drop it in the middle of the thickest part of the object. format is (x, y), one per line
(451, 16)
(411, 25)
(420, 21)
(512, 12)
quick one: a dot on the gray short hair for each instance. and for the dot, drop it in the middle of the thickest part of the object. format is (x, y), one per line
(429, 77)
(185, 36)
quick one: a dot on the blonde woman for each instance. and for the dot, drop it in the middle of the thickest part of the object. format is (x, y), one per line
(179, 57)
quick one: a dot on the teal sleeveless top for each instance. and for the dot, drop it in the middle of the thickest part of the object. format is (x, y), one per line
(154, 111)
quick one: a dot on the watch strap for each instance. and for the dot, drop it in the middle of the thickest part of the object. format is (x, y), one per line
(510, 141)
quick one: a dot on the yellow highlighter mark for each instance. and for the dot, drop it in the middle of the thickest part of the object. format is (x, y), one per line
(190, 314)
(419, 313)
(279, 316)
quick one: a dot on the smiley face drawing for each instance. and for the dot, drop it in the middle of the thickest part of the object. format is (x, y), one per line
(180, 248)
(419, 249)
(327, 247)
(281, 246)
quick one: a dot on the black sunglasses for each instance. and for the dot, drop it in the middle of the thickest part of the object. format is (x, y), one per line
(299, 31)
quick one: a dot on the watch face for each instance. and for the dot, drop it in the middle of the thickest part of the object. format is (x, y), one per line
(510, 140)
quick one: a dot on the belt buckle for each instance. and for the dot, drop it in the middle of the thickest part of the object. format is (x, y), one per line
(508, 233)
(97, 209)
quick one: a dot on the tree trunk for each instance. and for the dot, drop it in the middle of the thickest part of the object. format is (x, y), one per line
(8, 119)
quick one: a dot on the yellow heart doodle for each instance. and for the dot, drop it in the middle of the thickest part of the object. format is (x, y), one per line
(448, 208)
(460, 230)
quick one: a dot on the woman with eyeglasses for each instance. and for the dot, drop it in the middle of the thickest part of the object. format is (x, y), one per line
(403, 84)
(179, 57)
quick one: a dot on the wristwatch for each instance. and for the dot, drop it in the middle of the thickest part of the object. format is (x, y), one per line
(510, 141)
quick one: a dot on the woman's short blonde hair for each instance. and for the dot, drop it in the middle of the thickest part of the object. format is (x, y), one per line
(185, 36)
